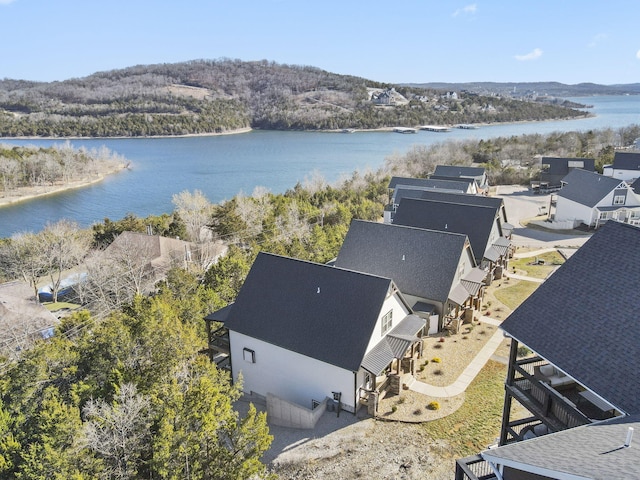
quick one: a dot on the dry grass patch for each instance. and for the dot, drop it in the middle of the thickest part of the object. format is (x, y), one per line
(476, 424)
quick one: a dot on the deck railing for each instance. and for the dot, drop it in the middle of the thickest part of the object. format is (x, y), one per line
(557, 411)
(473, 468)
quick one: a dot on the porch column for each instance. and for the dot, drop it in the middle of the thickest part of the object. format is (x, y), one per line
(506, 409)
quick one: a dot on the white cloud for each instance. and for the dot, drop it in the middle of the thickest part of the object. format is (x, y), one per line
(599, 38)
(5, 2)
(533, 55)
(638, 54)
(469, 10)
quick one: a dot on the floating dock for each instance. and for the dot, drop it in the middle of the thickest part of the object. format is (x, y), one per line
(435, 128)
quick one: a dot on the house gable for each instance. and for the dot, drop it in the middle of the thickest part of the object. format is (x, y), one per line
(422, 263)
(587, 188)
(479, 223)
(319, 311)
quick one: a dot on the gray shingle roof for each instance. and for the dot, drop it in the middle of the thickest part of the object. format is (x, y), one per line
(323, 312)
(420, 262)
(592, 451)
(467, 199)
(626, 161)
(587, 188)
(560, 165)
(458, 171)
(584, 317)
(468, 181)
(394, 345)
(430, 184)
(474, 221)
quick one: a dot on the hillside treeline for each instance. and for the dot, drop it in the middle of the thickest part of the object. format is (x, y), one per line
(214, 96)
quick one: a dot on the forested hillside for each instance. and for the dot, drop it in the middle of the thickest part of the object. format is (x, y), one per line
(214, 96)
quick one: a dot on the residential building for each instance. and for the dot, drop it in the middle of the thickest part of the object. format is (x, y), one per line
(481, 224)
(554, 169)
(435, 271)
(592, 199)
(300, 332)
(626, 166)
(577, 385)
(479, 174)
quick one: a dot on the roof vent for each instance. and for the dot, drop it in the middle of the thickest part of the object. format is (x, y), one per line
(318, 290)
(403, 257)
(446, 225)
(627, 442)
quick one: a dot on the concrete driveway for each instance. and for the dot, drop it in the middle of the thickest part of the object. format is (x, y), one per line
(521, 204)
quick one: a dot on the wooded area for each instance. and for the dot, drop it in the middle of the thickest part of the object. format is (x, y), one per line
(214, 96)
(124, 393)
(22, 167)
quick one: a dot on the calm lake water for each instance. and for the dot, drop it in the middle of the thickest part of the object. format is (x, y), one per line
(222, 166)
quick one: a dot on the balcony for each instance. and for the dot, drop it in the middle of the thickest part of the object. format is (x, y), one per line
(473, 468)
(559, 405)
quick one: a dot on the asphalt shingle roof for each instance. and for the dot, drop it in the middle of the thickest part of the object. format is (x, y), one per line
(458, 171)
(394, 345)
(560, 165)
(587, 188)
(474, 221)
(593, 451)
(584, 317)
(465, 198)
(421, 262)
(626, 161)
(431, 184)
(323, 312)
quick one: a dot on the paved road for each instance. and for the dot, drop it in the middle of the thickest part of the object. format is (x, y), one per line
(521, 204)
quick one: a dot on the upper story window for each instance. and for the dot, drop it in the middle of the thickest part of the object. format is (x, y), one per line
(387, 321)
(618, 200)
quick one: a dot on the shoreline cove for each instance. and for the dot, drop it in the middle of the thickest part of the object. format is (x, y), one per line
(30, 193)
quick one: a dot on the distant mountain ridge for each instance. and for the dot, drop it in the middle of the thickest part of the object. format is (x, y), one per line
(556, 89)
(214, 96)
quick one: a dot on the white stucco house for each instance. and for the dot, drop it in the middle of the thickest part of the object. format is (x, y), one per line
(302, 332)
(592, 199)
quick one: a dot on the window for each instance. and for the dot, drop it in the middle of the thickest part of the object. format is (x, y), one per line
(618, 200)
(603, 215)
(387, 321)
(249, 355)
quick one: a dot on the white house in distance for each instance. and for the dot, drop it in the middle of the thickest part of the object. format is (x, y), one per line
(592, 199)
(300, 332)
(626, 166)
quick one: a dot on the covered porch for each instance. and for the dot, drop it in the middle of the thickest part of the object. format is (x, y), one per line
(393, 362)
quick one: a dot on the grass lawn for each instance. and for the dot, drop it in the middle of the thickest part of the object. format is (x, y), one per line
(516, 293)
(523, 265)
(475, 425)
(54, 307)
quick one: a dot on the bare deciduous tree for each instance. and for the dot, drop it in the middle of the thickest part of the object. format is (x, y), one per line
(64, 245)
(118, 431)
(195, 211)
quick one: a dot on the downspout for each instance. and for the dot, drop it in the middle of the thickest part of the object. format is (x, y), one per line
(356, 400)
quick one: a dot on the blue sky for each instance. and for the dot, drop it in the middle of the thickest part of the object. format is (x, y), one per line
(568, 41)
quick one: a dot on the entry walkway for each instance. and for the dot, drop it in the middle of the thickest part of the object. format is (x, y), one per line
(469, 373)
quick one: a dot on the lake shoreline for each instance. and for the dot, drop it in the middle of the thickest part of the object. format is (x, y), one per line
(22, 194)
(143, 137)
